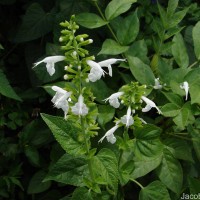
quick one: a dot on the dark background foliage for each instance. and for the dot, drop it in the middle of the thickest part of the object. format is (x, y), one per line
(29, 31)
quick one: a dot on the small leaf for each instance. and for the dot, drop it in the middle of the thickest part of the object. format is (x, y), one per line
(36, 23)
(6, 89)
(172, 5)
(90, 20)
(82, 193)
(117, 7)
(129, 29)
(196, 39)
(155, 190)
(170, 170)
(141, 71)
(69, 170)
(179, 51)
(36, 185)
(111, 47)
(66, 133)
(33, 155)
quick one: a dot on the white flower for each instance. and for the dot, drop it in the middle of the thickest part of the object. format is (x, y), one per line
(50, 63)
(80, 108)
(97, 72)
(109, 135)
(127, 119)
(113, 99)
(60, 99)
(185, 86)
(157, 85)
(150, 104)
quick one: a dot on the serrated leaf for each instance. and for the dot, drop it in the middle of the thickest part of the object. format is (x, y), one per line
(111, 47)
(117, 7)
(170, 170)
(36, 185)
(6, 89)
(141, 71)
(105, 168)
(172, 5)
(90, 20)
(196, 39)
(129, 29)
(36, 23)
(66, 134)
(179, 51)
(170, 110)
(69, 170)
(155, 190)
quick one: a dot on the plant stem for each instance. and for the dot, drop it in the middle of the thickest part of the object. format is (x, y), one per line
(193, 64)
(137, 183)
(108, 25)
(178, 136)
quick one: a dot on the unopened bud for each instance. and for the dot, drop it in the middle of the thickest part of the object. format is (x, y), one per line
(74, 53)
(65, 77)
(87, 80)
(79, 67)
(60, 39)
(66, 67)
(90, 40)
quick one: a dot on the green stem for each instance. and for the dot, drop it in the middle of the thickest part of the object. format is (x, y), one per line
(193, 64)
(178, 136)
(137, 183)
(108, 25)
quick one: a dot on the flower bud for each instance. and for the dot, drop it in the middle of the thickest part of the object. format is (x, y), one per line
(65, 77)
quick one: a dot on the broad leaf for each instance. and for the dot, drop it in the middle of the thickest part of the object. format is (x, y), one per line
(194, 185)
(155, 190)
(141, 71)
(90, 20)
(169, 171)
(196, 40)
(36, 185)
(117, 7)
(36, 23)
(110, 47)
(66, 133)
(144, 166)
(193, 79)
(6, 89)
(105, 168)
(129, 29)
(69, 170)
(174, 98)
(170, 110)
(172, 5)
(179, 51)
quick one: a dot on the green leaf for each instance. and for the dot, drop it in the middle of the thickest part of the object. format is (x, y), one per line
(155, 190)
(144, 166)
(36, 23)
(111, 47)
(36, 185)
(173, 98)
(196, 40)
(179, 51)
(194, 185)
(170, 110)
(32, 154)
(170, 170)
(129, 29)
(66, 134)
(147, 144)
(138, 49)
(6, 89)
(117, 7)
(195, 140)
(69, 170)
(172, 5)
(90, 20)
(82, 193)
(105, 168)
(141, 71)
(106, 113)
(179, 148)
(184, 117)
(193, 78)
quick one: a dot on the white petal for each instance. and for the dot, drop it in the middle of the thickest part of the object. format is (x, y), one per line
(54, 59)
(110, 61)
(185, 86)
(80, 108)
(111, 138)
(50, 68)
(146, 108)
